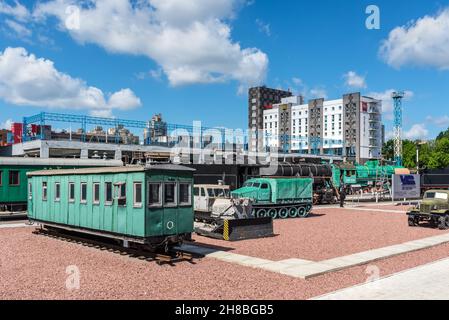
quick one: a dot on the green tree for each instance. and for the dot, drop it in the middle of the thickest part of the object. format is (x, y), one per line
(439, 157)
(388, 150)
(444, 134)
(409, 153)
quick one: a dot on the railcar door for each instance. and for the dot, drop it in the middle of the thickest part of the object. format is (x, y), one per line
(121, 207)
(170, 201)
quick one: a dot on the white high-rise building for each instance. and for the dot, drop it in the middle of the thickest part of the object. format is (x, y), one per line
(349, 127)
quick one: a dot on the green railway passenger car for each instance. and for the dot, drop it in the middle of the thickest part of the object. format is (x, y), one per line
(13, 178)
(150, 205)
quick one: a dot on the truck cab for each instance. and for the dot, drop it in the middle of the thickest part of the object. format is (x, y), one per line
(205, 195)
(434, 209)
(258, 190)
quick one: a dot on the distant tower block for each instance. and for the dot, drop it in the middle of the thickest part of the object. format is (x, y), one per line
(397, 98)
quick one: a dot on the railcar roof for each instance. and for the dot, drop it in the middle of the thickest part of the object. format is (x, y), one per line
(105, 170)
(16, 161)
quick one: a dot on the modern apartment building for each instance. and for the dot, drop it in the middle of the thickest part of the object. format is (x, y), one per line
(349, 127)
(258, 99)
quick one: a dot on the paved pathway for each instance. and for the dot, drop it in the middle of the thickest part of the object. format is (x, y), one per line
(428, 282)
(15, 225)
(362, 209)
(305, 269)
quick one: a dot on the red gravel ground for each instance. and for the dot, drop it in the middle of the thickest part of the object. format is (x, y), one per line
(33, 267)
(330, 233)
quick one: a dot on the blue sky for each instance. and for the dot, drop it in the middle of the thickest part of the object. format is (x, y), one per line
(194, 60)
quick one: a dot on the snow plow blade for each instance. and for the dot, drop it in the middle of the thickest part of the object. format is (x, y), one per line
(237, 230)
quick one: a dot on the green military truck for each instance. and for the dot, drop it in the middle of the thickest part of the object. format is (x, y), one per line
(278, 197)
(433, 209)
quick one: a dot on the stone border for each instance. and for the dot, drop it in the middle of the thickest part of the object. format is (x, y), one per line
(305, 269)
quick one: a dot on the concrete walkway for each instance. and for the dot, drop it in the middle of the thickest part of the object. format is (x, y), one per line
(15, 225)
(428, 282)
(305, 269)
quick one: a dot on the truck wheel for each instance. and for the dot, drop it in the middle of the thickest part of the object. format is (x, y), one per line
(272, 213)
(411, 222)
(293, 213)
(442, 223)
(283, 213)
(302, 212)
(262, 213)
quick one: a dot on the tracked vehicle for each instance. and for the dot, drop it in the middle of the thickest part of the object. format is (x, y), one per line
(278, 198)
(219, 216)
(433, 209)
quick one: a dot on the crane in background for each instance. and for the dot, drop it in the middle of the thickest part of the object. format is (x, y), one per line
(397, 98)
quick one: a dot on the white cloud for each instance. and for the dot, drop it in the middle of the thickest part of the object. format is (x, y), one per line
(353, 80)
(417, 131)
(18, 11)
(19, 29)
(316, 93)
(440, 122)
(387, 100)
(124, 99)
(190, 40)
(7, 124)
(30, 81)
(424, 42)
(301, 88)
(264, 28)
(297, 81)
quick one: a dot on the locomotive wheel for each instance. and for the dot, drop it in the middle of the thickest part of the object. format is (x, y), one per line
(283, 213)
(262, 213)
(293, 213)
(302, 212)
(273, 213)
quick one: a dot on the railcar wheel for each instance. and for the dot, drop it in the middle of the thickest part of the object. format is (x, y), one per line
(283, 213)
(293, 213)
(272, 213)
(302, 212)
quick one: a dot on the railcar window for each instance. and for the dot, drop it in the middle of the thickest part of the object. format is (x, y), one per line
(211, 193)
(264, 186)
(256, 185)
(185, 196)
(71, 192)
(83, 192)
(57, 191)
(138, 194)
(14, 178)
(44, 191)
(121, 194)
(170, 194)
(108, 193)
(96, 193)
(203, 192)
(30, 191)
(196, 192)
(154, 197)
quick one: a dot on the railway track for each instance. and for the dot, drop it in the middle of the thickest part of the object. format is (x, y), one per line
(171, 257)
